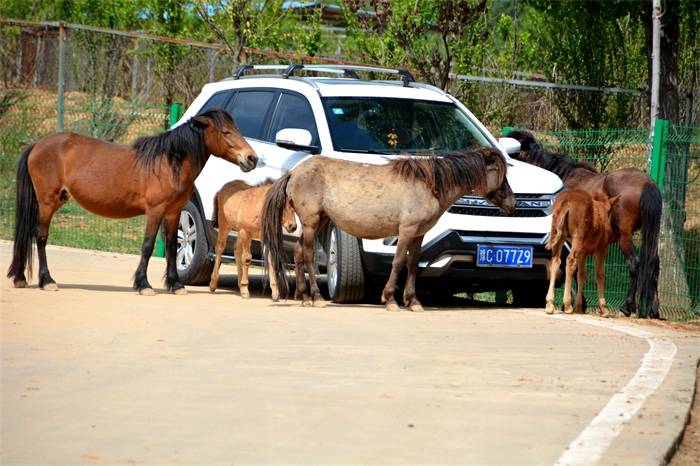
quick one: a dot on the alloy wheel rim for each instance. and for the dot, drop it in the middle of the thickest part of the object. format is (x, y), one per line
(332, 268)
(186, 239)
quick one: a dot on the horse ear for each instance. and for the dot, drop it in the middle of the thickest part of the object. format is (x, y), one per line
(489, 154)
(201, 121)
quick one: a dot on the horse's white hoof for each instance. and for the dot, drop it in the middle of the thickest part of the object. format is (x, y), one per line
(416, 307)
(245, 294)
(392, 307)
(180, 291)
(320, 302)
(275, 297)
(549, 309)
(147, 292)
(50, 287)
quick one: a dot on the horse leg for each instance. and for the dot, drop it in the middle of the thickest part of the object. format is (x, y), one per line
(630, 306)
(405, 237)
(600, 279)
(301, 288)
(140, 278)
(409, 293)
(570, 269)
(219, 249)
(243, 258)
(553, 267)
(581, 282)
(42, 235)
(273, 280)
(308, 243)
(172, 280)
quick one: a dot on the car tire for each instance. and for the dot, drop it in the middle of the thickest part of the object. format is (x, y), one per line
(344, 272)
(193, 264)
(530, 293)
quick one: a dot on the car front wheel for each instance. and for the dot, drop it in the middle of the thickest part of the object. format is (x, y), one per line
(193, 264)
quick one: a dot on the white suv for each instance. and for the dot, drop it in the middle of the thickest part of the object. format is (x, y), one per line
(286, 117)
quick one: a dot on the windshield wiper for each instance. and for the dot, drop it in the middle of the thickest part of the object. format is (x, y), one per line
(366, 151)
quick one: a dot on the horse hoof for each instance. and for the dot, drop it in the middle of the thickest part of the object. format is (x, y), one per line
(392, 307)
(180, 291)
(50, 287)
(307, 303)
(549, 309)
(568, 310)
(245, 294)
(416, 308)
(298, 296)
(20, 284)
(320, 302)
(604, 313)
(211, 290)
(275, 298)
(147, 292)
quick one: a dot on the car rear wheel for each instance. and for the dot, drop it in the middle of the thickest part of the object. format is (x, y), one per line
(344, 271)
(193, 264)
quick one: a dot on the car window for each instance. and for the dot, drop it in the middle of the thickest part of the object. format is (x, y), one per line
(249, 110)
(294, 111)
(403, 125)
(218, 100)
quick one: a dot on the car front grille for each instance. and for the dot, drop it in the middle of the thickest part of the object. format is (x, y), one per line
(527, 205)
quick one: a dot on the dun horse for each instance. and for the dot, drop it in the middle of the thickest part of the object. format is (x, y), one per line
(583, 219)
(403, 198)
(238, 206)
(639, 207)
(155, 177)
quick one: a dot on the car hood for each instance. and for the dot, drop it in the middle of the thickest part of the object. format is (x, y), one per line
(529, 179)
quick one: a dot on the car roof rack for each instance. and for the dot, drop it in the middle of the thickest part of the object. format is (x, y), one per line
(348, 71)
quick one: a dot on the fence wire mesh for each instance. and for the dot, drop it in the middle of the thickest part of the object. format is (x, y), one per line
(612, 149)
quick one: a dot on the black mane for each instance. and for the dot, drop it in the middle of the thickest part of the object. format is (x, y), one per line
(178, 144)
(535, 154)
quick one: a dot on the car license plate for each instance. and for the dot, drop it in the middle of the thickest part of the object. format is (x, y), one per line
(503, 256)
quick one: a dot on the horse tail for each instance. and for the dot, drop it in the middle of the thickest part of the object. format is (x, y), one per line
(650, 205)
(271, 234)
(26, 220)
(557, 232)
(215, 214)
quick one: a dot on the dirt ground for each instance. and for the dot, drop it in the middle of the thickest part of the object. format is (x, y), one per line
(95, 374)
(688, 453)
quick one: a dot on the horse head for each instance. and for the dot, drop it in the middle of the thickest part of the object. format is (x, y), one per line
(497, 190)
(223, 139)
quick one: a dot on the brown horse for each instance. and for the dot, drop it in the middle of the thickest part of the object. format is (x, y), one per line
(404, 198)
(639, 206)
(583, 219)
(238, 206)
(155, 177)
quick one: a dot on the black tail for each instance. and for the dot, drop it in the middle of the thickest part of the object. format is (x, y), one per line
(215, 215)
(26, 221)
(272, 239)
(650, 205)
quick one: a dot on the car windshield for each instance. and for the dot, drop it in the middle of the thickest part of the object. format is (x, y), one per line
(381, 124)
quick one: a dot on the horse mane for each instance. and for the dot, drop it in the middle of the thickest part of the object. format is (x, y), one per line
(444, 173)
(559, 164)
(178, 144)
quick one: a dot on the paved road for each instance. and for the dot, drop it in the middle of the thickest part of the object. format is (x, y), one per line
(94, 374)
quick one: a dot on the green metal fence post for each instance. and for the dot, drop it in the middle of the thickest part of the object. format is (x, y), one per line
(60, 104)
(506, 131)
(658, 153)
(176, 111)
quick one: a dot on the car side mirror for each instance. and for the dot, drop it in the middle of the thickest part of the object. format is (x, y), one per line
(510, 145)
(296, 139)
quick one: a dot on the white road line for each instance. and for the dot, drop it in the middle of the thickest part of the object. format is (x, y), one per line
(591, 443)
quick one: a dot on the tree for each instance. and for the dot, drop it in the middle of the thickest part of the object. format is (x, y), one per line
(433, 37)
